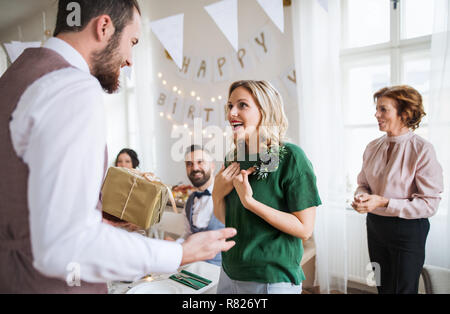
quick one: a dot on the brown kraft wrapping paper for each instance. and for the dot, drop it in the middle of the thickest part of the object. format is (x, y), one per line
(133, 197)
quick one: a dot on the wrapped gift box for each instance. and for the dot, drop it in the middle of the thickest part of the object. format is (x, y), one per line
(134, 197)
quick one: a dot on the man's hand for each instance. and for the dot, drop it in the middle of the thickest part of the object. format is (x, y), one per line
(203, 246)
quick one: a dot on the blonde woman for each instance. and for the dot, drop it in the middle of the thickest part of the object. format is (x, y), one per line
(268, 193)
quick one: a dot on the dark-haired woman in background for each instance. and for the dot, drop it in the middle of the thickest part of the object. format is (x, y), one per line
(399, 187)
(127, 158)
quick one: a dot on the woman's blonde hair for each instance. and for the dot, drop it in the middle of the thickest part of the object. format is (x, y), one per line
(274, 123)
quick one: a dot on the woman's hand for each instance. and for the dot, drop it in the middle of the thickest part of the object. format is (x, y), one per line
(243, 187)
(366, 203)
(223, 182)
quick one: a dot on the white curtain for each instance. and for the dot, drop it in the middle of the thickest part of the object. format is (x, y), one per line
(317, 47)
(146, 129)
(438, 243)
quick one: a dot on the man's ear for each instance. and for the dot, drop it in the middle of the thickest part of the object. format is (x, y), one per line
(104, 28)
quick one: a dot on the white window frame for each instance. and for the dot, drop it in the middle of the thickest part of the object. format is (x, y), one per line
(396, 48)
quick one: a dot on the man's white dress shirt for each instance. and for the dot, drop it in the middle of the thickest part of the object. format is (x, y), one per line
(58, 129)
(202, 211)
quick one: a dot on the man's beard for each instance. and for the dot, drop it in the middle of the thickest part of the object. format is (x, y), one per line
(107, 64)
(198, 182)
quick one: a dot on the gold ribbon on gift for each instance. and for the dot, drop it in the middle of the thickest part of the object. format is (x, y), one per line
(151, 178)
(128, 198)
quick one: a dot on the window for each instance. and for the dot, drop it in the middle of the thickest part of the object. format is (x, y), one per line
(363, 18)
(121, 117)
(413, 11)
(383, 45)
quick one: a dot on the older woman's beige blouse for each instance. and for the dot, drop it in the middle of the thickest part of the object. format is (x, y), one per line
(411, 179)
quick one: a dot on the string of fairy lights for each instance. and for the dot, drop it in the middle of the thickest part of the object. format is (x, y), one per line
(177, 90)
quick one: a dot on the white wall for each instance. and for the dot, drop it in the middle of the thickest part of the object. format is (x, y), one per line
(32, 27)
(117, 127)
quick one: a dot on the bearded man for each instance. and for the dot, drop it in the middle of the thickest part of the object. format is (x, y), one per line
(199, 208)
(52, 130)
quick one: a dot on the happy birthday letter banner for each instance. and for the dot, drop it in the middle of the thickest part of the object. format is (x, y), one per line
(183, 109)
(275, 11)
(225, 15)
(222, 67)
(170, 32)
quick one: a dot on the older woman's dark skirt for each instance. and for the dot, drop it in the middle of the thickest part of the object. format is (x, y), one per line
(398, 246)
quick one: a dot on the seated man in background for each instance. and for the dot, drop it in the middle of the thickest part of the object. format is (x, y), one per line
(199, 211)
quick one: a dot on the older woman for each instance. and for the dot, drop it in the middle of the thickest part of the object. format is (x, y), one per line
(399, 187)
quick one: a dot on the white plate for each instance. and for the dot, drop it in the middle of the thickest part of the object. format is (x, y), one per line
(157, 287)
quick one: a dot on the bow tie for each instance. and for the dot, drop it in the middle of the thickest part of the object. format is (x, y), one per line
(200, 194)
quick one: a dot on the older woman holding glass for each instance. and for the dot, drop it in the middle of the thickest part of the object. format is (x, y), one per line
(399, 188)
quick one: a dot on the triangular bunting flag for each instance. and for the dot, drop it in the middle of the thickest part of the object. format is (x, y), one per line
(274, 9)
(16, 48)
(324, 4)
(170, 33)
(225, 14)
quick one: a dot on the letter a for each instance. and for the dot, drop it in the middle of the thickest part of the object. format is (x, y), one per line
(74, 18)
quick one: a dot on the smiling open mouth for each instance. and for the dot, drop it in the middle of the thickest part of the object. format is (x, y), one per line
(236, 125)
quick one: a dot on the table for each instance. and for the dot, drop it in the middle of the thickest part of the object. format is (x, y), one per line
(206, 270)
(179, 208)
